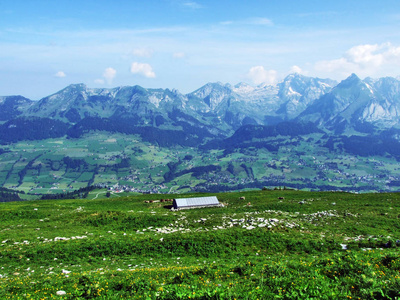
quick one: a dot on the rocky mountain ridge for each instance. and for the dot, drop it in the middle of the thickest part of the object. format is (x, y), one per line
(222, 108)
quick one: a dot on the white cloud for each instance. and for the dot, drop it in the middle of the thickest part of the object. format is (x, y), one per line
(259, 75)
(365, 60)
(365, 55)
(109, 75)
(143, 69)
(340, 65)
(143, 52)
(179, 55)
(60, 74)
(296, 69)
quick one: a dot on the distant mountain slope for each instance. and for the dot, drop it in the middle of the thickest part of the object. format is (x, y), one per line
(298, 91)
(259, 136)
(190, 136)
(265, 104)
(222, 106)
(31, 128)
(77, 101)
(354, 103)
(352, 106)
(13, 106)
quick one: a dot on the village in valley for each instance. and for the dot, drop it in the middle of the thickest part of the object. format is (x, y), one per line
(124, 164)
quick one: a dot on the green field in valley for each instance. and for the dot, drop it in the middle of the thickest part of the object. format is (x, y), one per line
(57, 166)
(275, 244)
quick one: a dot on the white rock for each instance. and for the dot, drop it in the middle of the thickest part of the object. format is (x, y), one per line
(61, 293)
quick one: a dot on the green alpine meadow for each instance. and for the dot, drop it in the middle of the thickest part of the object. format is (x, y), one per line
(262, 244)
(199, 149)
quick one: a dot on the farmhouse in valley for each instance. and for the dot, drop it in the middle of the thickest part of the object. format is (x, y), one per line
(187, 203)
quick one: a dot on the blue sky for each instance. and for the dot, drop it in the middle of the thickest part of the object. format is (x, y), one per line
(183, 44)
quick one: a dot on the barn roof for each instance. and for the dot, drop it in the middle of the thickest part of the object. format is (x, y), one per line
(199, 201)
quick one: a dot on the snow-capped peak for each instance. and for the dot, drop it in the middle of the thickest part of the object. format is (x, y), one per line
(243, 87)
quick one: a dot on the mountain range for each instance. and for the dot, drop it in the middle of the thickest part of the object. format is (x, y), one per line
(220, 109)
(303, 131)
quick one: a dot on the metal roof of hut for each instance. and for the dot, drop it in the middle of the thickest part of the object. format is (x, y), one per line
(184, 203)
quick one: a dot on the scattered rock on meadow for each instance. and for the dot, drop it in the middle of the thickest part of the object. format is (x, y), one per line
(61, 293)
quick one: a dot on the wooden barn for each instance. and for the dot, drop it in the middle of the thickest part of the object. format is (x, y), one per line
(187, 203)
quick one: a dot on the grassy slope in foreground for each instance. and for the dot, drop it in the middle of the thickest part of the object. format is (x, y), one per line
(259, 248)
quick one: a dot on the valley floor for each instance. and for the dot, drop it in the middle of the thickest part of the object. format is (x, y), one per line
(125, 163)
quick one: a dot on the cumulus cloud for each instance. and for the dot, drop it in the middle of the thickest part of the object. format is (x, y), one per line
(365, 60)
(341, 65)
(296, 69)
(259, 75)
(60, 74)
(109, 75)
(142, 69)
(143, 52)
(366, 55)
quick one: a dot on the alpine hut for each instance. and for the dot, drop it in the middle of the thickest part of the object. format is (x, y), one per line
(187, 203)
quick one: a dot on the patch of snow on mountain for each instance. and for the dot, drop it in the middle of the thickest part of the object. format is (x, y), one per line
(262, 93)
(375, 112)
(212, 88)
(155, 100)
(292, 93)
(369, 88)
(243, 88)
(324, 85)
(167, 99)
